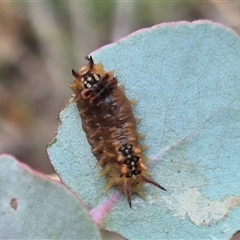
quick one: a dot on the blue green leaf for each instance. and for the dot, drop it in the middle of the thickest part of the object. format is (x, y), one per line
(186, 79)
(35, 207)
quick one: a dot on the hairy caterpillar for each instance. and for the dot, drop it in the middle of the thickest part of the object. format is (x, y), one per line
(110, 127)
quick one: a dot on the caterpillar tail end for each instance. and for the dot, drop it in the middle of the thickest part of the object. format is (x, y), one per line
(147, 180)
(128, 193)
(129, 199)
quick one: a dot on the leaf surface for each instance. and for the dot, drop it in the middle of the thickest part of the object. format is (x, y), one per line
(186, 79)
(35, 207)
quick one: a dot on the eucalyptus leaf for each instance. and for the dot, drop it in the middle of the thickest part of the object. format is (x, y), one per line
(33, 206)
(186, 80)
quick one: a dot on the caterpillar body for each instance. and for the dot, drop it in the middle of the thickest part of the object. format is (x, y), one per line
(110, 127)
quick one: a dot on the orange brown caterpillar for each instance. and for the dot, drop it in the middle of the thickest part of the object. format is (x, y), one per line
(110, 127)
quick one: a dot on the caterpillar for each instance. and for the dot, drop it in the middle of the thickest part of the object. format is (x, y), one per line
(111, 129)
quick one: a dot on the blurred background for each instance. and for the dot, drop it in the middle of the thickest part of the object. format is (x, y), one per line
(40, 42)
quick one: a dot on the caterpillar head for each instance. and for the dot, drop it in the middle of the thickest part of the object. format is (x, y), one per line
(93, 83)
(88, 76)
